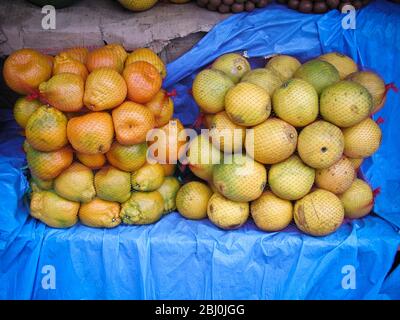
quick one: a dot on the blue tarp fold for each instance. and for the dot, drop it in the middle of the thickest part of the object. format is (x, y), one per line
(181, 259)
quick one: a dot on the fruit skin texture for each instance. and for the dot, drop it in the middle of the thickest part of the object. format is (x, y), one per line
(79, 53)
(202, 156)
(148, 178)
(41, 184)
(374, 84)
(271, 213)
(209, 90)
(233, 65)
(291, 179)
(137, 5)
(104, 57)
(243, 180)
(345, 103)
(75, 183)
(53, 210)
(356, 162)
(320, 144)
(296, 102)
(343, 64)
(143, 81)
(92, 161)
(132, 121)
(145, 54)
(46, 129)
(337, 178)
(225, 135)
(142, 208)
(64, 64)
(358, 200)
(192, 199)
(319, 74)
(362, 140)
(274, 141)
(105, 89)
(112, 184)
(247, 104)
(168, 190)
(318, 213)
(227, 214)
(127, 158)
(64, 91)
(99, 213)
(169, 169)
(23, 109)
(162, 108)
(38, 161)
(284, 66)
(265, 78)
(25, 69)
(91, 133)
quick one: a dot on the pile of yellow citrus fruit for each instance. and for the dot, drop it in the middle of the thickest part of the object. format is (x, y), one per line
(85, 115)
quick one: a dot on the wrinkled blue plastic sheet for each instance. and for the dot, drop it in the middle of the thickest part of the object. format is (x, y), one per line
(181, 259)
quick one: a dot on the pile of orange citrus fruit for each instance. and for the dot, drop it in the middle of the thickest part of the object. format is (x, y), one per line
(85, 115)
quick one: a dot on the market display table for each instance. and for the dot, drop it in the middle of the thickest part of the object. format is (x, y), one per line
(177, 258)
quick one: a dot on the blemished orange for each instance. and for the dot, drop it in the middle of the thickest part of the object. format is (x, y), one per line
(92, 161)
(64, 64)
(25, 69)
(91, 133)
(104, 58)
(79, 53)
(143, 81)
(132, 121)
(162, 108)
(145, 54)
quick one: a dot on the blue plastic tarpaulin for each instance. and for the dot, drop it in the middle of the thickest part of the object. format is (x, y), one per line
(182, 259)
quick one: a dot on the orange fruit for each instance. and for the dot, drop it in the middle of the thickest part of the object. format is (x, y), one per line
(104, 58)
(127, 158)
(104, 89)
(143, 81)
(132, 121)
(92, 161)
(168, 147)
(162, 108)
(23, 109)
(64, 64)
(48, 165)
(64, 91)
(100, 213)
(145, 54)
(46, 129)
(91, 133)
(119, 51)
(25, 69)
(79, 53)
(169, 169)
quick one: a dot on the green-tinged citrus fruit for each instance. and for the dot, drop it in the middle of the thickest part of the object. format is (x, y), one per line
(241, 180)
(233, 65)
(291, 179)
(362, 140)
(142, 208)
(127, 158)
(225, 213)
(149, 177)
(54, 210)
(75, 183)
(319, 74)
(192, 199)
(271, 213)
(358, 200)
(100, 213)
(343, 64)
(112, 184)
(320, 144)
(319, 213)
(284, 66)
(137, 5)
(209, 90)
(336, 178)
(345, 103)
(247, 104)
(265, 78)
(296, 102)
(42, 184)
(168, 190)
(23, 109)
